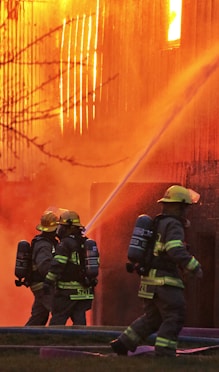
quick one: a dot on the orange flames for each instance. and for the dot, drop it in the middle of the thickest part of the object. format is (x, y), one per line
(78, 75)
(175, 14)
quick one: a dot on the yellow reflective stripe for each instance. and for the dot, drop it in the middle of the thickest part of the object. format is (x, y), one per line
(76, 220)
(51, 276)
(69, 285)
(164, 342)
(159, 247)
(153, 281)
(86, 296)
(61, 259)
(193, 263)
(81, 293)
(36, 286)
(173, 244)
(147, 295)
(175, 282)
(132, 335)
(75, 258)
(144, 293)
(152, 273)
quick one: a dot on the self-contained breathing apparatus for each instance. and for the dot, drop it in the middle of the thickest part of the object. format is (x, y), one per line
(89, 252)
(140, 250)
(91, 262)
(23, 264)
(91, 258)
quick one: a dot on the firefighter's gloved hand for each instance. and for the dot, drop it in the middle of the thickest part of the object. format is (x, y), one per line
(130, 267)
(86, 282)
(89, 282)
(94, 282)
(199, 273)
(140, 270)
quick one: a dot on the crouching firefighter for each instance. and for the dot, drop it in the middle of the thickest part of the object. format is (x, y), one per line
(73, 272)
(161, 288)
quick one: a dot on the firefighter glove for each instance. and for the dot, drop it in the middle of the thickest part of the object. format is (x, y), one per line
(94, 282)
(140, 270)
(199, 273)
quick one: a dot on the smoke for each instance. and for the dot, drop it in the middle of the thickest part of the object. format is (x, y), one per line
(107, 158)
(62, 185)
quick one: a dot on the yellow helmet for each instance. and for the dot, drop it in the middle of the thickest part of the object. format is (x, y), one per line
(179, 194)
(48, 222)
(70, 218)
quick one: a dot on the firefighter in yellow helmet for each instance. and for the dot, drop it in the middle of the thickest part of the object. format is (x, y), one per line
(74, 292)
(162, 287)
(43, 246)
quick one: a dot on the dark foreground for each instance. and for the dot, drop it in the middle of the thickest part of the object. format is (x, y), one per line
(30, 353)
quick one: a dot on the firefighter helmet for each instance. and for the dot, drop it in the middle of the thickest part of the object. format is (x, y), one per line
(179, 194)
(70, 218)
(48, 222)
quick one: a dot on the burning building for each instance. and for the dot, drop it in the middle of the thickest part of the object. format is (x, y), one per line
(101, 94)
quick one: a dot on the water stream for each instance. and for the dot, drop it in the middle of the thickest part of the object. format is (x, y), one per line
(188, 86)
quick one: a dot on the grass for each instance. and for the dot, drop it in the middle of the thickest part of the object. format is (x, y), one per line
(29, 360)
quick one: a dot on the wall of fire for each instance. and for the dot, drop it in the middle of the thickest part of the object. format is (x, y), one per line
(82, 63)
(63, 74)
(91, 71)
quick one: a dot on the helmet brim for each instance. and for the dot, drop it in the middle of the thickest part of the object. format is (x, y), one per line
(67, 224)
(46, 229)
(164, 200)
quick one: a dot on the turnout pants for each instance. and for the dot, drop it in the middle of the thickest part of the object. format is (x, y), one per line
(164, 314)
(40, 309)
(64, 308)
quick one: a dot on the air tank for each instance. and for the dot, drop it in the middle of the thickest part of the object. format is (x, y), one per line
(23, 261)
(141, 235)
(91, 259)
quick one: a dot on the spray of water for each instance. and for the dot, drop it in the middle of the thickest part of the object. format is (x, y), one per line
(190, 84)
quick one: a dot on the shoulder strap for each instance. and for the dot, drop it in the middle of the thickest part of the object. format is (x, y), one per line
(156, 221)
(36, 239)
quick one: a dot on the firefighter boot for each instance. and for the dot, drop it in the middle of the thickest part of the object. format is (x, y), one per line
(164, 352)
(118, 347)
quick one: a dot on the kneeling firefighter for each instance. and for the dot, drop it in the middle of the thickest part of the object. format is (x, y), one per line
(73, 272)
(161, 288)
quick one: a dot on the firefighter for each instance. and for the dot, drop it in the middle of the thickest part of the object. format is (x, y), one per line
(74, 292)
(162, 288)
(44, 245)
